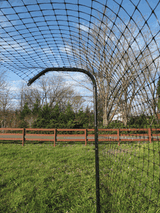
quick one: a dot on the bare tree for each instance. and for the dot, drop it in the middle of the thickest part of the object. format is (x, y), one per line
(50, 90)
(5, 100)
(120, 62)
(141, 64)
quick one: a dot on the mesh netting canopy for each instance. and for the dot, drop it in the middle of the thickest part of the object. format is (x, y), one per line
(117, 41)
(108, 36)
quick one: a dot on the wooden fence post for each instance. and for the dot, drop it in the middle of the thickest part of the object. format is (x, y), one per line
(118, 137)
(149, 135)
(23, 136)
(55, 137)
(85, 136)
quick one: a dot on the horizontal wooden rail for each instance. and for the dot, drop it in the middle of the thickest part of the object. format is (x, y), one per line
(25, 136)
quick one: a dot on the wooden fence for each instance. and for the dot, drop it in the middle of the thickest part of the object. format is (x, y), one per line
(24, 136)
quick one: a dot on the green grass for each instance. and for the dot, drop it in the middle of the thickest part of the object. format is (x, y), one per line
(133, 176)
(41, 178)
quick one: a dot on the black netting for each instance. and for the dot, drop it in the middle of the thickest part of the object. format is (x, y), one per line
(118, 42)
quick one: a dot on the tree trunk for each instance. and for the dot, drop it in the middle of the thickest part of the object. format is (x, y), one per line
(105, 120)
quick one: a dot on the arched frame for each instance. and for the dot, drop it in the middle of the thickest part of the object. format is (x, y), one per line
(71, 69)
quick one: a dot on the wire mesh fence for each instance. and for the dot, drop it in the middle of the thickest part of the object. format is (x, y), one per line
(118, 42)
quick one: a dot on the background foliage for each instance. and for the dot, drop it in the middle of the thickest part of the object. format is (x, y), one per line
(54, 117)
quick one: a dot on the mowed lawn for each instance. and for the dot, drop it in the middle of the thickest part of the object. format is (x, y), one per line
(41, 178)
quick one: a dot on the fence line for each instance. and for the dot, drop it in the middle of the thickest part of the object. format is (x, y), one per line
(106, 137)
